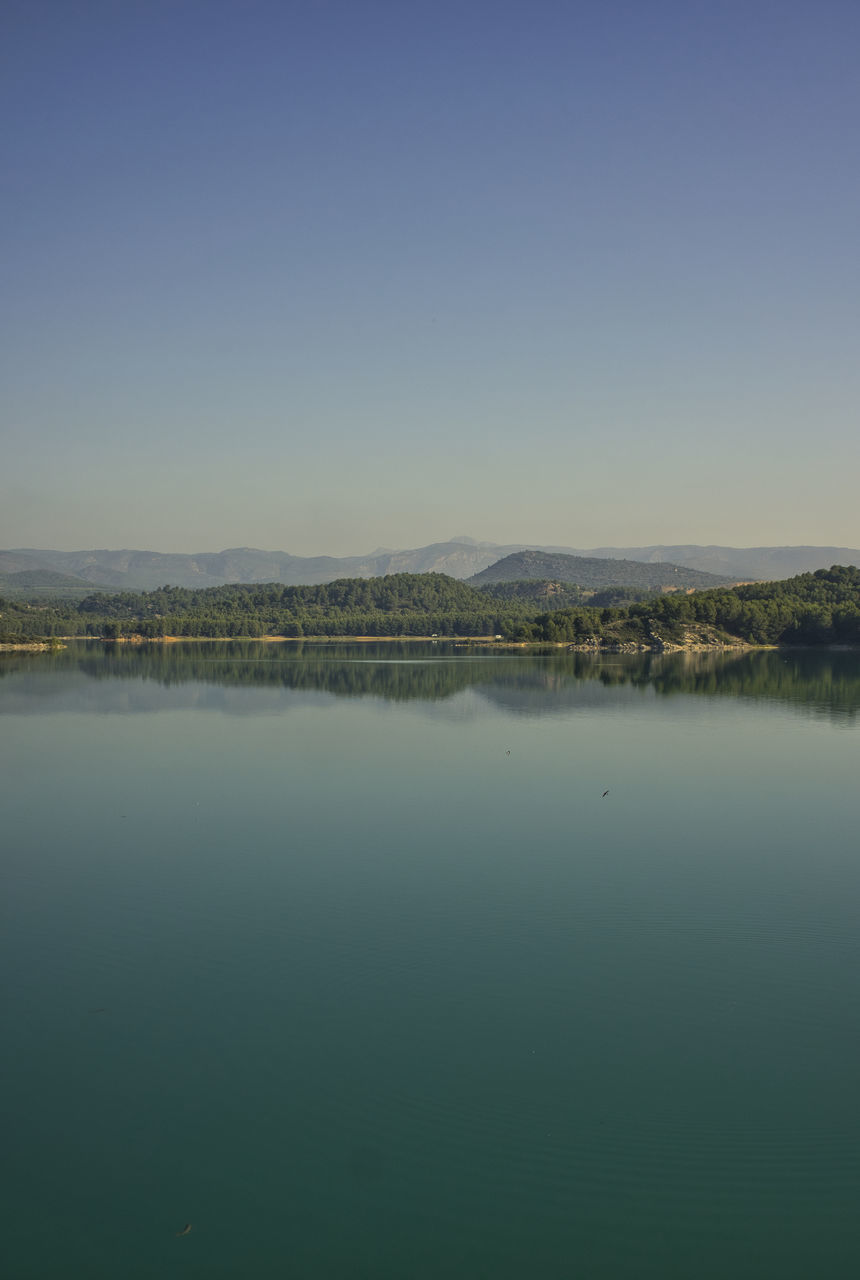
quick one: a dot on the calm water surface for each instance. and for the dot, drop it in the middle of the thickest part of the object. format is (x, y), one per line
(341, 955)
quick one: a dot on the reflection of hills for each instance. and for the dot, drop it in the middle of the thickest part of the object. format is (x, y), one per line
(397, 672)
(393, 671)
(823, 683)
(523, 683)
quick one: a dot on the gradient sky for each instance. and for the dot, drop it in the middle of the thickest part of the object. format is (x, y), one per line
(329, 275)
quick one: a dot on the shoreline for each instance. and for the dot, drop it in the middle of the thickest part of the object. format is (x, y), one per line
(458, 642)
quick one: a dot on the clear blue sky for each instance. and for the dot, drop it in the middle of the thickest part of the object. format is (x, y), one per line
(333, 274)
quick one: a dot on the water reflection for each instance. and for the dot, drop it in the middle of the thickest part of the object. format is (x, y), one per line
(530, 683)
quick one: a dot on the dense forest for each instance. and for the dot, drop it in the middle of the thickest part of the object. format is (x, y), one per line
(814, 608)
(400, 604)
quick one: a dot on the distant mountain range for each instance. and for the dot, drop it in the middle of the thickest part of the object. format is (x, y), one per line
(460, 558)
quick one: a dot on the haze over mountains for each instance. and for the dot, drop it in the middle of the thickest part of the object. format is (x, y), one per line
(460, 557)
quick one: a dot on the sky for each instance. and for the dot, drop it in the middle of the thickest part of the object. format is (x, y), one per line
(330, 275)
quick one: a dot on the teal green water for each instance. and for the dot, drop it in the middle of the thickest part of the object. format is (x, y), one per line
(295, 951)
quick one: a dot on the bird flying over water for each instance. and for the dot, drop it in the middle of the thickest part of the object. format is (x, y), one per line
(185, 1230)
(605, 794)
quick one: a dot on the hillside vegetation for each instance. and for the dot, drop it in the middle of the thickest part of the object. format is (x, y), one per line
(539, 594)
(814, 608)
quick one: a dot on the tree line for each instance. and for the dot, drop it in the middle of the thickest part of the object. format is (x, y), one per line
(402, 604)
(811, 609)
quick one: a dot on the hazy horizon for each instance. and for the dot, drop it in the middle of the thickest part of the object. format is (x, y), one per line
(363, 551)
(329, 279)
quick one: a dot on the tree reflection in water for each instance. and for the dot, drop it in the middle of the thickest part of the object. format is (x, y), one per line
(533, 682)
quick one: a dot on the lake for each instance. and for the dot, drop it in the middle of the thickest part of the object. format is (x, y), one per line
(340, 954)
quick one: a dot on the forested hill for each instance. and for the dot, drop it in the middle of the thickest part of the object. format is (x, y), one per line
(585, 571)
(815, 608)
